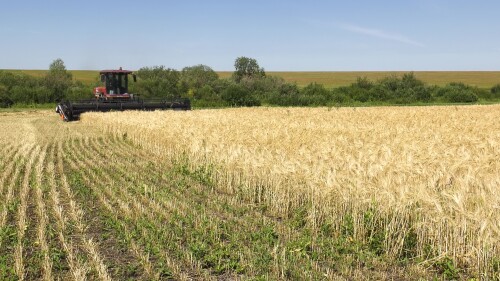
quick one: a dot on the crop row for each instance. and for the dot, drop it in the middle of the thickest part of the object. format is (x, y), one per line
(410, 183)
(98, 207)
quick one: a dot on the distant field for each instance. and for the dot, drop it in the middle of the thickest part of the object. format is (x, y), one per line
(482, 79)
(81, 75)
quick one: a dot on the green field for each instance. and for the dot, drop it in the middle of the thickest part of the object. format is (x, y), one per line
(481, 79)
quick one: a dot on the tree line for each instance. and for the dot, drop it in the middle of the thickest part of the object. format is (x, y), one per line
(248, 86)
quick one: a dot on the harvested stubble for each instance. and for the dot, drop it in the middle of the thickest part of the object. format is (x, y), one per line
(427, 178)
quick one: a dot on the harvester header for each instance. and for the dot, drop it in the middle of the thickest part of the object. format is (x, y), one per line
(114, 95)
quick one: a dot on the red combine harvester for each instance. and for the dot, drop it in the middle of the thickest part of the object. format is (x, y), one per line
(114, 96)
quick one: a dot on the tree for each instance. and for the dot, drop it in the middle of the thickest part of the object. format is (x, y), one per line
(195, 77)
(58, 80)
(57, 66)
(247, 68)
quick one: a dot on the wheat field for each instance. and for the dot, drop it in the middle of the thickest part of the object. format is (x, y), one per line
(431, 174)
(251, 193)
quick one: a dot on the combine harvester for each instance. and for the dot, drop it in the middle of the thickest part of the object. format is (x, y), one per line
(114, 96)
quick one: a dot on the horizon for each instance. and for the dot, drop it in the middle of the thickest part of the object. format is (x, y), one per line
(283, 36)
(482, 79)
(268, 71)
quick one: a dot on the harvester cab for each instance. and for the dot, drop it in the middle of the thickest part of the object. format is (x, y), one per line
(115, 85)
(114, 96)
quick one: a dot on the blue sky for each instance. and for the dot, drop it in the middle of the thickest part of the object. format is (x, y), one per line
(315, 35)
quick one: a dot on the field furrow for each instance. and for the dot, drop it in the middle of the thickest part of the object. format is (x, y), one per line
(9, 161)
(13, 222)
(119, 174)
(160, 198)
(8, 150)
(142, 185)
(106, 213)
(78, 268)
(132, 210)
(22, 223)
(140, 189)
(10, 203)
(76, 215)
(46, 265)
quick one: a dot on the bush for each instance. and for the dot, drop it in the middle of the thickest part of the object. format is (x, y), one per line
(43, 95)
(79, 91)
(407, 89)
(158, 81)
(207, 97)
(423, 93)
(391, 83)
(363, 83)
(404, 90)
(379, 93)
(263, 87)
(359, 94)
(495, 91)
(409, 95)
(220, 85)
(461, 96)
(5, 100)
(483, 94)
(286, 95)
(21, 94)
(314, 94)
(237, 95)
(458, 92)
(340, 95)
(357, 91)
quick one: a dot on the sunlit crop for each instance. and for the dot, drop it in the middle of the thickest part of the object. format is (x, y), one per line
(402, 193)
(425, 179)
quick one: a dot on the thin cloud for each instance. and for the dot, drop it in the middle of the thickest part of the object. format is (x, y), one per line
(381, 34)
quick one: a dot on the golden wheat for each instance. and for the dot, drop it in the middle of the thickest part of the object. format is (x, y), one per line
(434, 171)
(82, 201)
